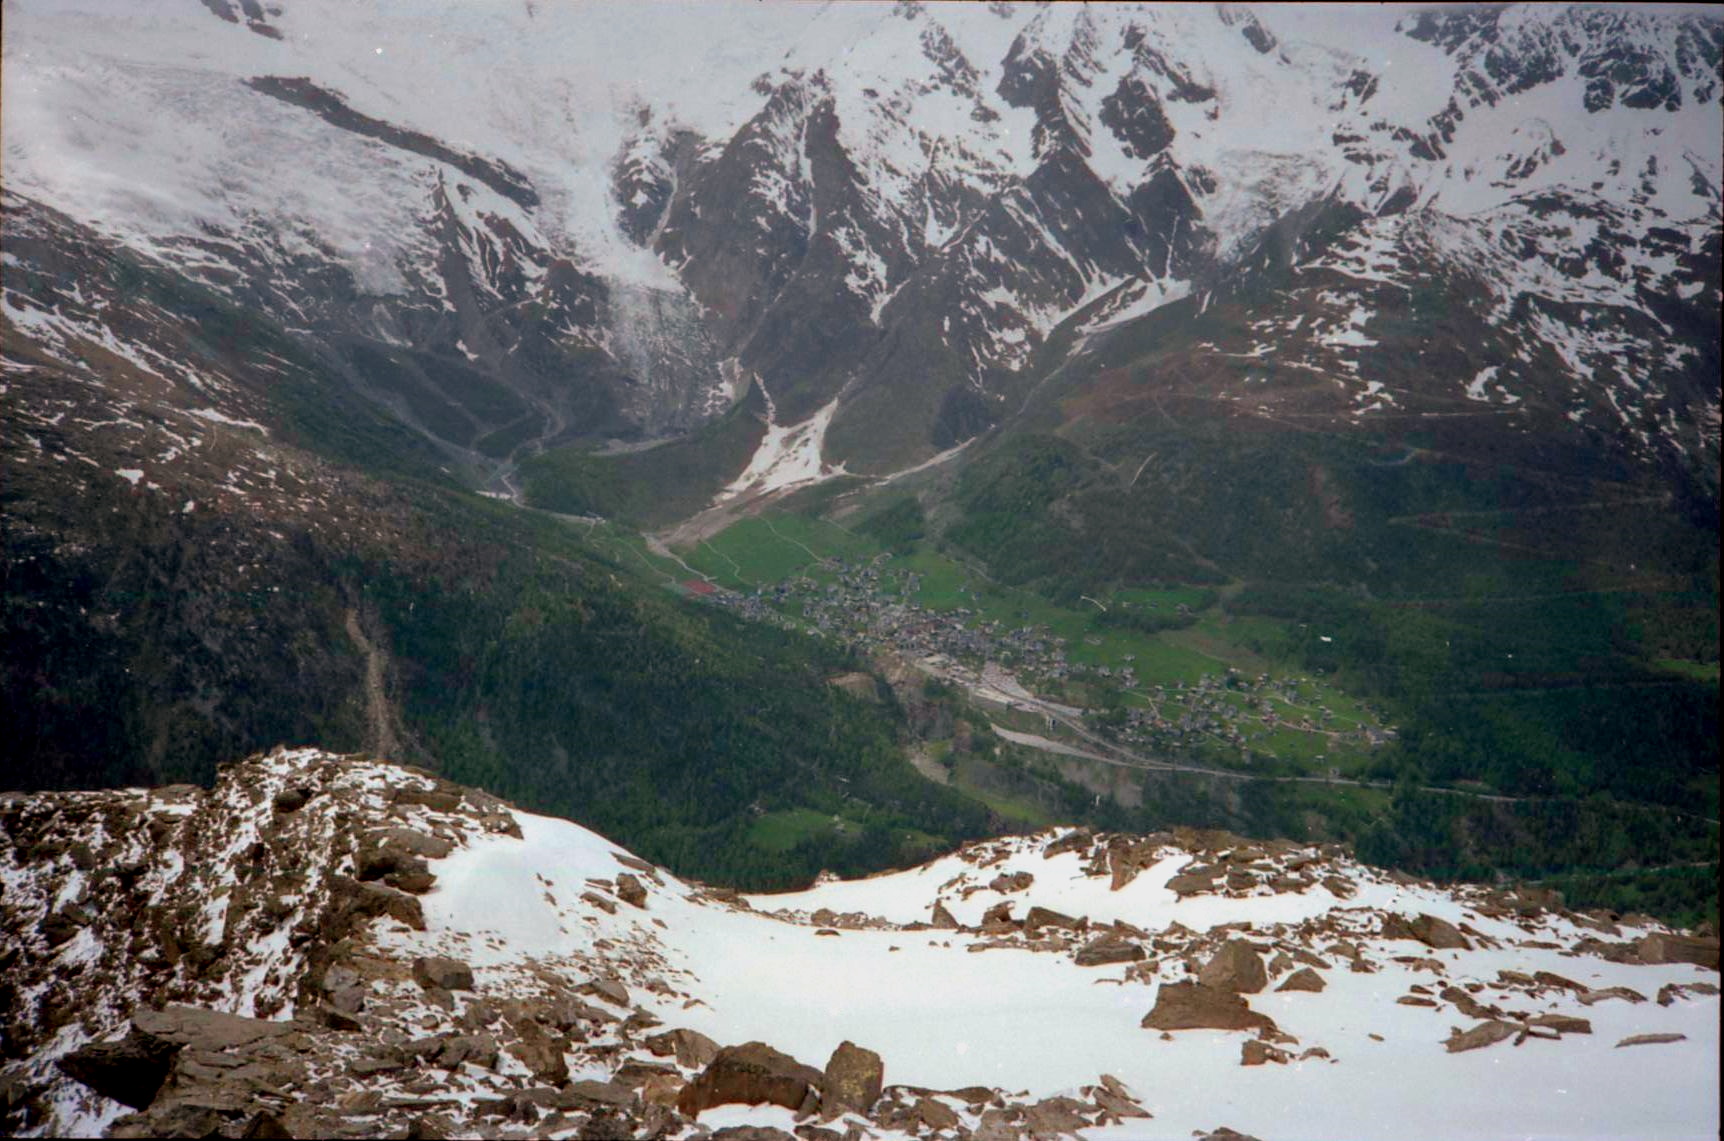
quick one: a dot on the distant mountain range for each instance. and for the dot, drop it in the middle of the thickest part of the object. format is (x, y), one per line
(543, 224)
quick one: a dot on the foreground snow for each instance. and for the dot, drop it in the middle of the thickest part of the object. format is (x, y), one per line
(946, 1015)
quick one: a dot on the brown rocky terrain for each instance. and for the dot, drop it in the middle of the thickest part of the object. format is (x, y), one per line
(278, 956)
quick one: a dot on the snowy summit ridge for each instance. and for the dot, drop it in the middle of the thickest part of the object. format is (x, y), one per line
(610, 211)
(335, 946)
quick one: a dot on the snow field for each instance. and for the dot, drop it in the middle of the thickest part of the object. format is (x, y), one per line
(943, 1016)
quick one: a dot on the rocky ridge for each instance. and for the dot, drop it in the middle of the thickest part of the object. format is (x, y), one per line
(338, 946)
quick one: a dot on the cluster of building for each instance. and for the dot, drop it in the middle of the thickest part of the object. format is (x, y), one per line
(870, 604)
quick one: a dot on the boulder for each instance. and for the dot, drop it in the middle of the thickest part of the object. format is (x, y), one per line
(1484, 1034)
(1054, 1117)
(996, 1125)
(608, 987)
(1194, 880)
(1304, 979)
(1561, 1023)
(752, 1074)
(1193, 1006)
(1126, 858)
(210, 1030)
(1467, 1004)
(1627, 994)
(290, 800)
(853, 1080)
(1016, 881)
(1236, 966)
(437, 800)
(1108, 949)
(1427, 929)
(440, 971)
(1254, 1052)
(630, 890)
(587, 1092)
(369, 900)
(58, 927)
(130, 1070)
(1076, 840)
(540, 1053)
(934, 1115)
(1039, 917)
(942, 919)
(691, 1048)
(1666, 948)
(1651, 1039)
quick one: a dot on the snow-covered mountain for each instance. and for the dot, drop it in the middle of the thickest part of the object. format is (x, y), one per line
(525, 224)
(336, 946)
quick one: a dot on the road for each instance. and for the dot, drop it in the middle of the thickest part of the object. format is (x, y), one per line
(1107, 752)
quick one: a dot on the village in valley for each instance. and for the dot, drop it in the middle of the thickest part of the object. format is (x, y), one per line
(876, 603)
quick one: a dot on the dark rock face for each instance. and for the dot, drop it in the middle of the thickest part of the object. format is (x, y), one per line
(752, 1074)
(1135, 117)
(330, 107)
